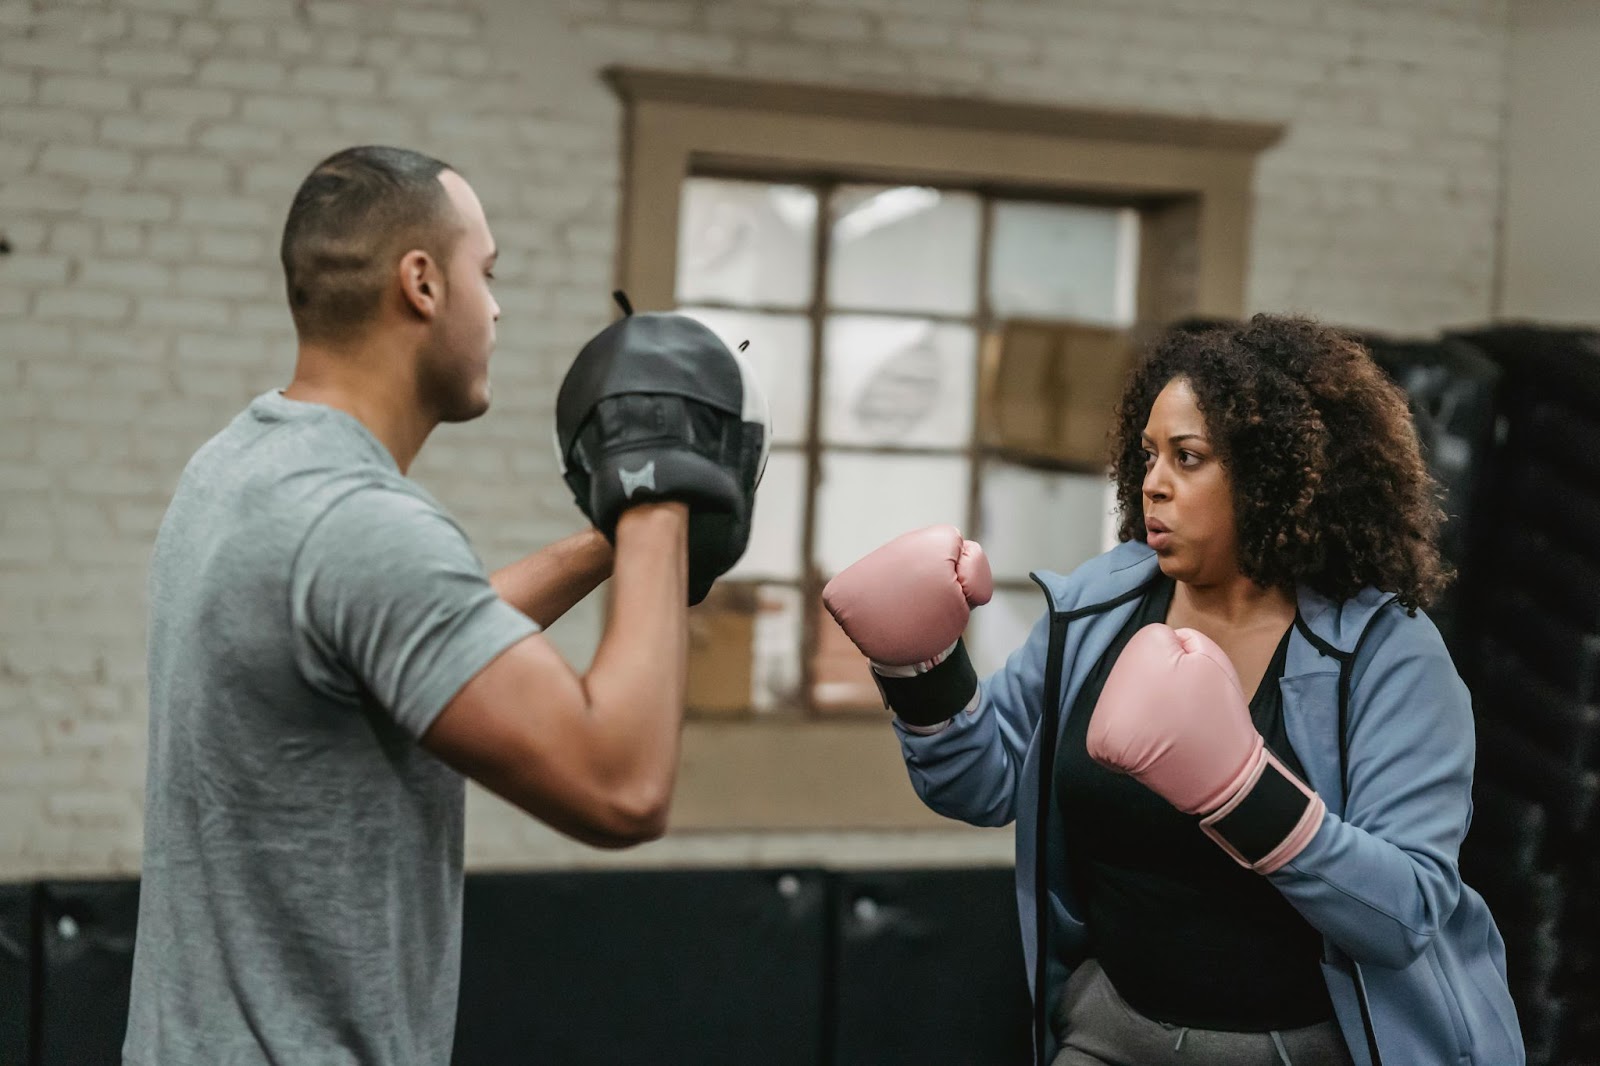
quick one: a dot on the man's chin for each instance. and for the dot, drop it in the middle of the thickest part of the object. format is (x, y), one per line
(467, 408)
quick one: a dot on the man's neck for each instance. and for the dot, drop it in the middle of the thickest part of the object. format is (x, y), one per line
(383, 402)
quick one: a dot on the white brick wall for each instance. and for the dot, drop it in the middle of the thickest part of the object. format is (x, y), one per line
(148, 149)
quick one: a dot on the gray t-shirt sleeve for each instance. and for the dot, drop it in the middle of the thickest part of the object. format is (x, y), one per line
(387, 594)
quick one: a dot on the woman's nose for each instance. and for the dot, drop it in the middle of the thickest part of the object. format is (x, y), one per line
(1155, 482)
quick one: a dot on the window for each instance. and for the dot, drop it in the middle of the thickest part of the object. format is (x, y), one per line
(1188, 180)
(866, 307)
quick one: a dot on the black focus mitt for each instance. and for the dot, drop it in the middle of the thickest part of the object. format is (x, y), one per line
(657, 407)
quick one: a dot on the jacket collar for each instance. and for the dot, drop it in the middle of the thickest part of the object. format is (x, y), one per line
(1339, 623)
(1325, 628)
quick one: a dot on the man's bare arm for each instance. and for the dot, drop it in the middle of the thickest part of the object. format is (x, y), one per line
(592, 755)
(545, 585)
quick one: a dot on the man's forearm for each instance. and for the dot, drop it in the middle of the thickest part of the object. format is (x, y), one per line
(546, 584)
(637, 679)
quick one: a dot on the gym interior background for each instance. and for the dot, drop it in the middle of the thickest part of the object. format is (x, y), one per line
(945, 226)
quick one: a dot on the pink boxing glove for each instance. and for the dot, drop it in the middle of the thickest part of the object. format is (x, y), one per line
(1172, 714)
(905, 605)
(907, 602)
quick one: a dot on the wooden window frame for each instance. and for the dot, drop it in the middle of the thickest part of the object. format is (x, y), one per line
(1191, 179)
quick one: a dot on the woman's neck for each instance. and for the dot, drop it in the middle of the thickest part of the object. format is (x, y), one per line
(1235, 603)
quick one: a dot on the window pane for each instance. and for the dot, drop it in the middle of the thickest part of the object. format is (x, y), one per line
(774, 548)
(721, 643)
(745, 242)
(1064, 261)
(841, 675)
(1042, 520)
(775, 672)
(780, 355)
(866, 500)
(897, 381)
(904, 248)
(744, 649)
(1001, 626)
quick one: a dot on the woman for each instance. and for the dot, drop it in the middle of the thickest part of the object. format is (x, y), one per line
(1237, 753)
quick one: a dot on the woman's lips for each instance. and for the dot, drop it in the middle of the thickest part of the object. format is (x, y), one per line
(1157, 539)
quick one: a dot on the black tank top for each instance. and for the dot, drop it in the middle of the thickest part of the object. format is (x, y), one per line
(1185, 934)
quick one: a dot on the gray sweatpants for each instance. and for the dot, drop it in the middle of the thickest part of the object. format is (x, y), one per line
(1095, 1027)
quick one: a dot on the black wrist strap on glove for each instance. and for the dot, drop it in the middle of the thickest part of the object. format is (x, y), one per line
(1269, 820)
(935, 696)
(1267, 814)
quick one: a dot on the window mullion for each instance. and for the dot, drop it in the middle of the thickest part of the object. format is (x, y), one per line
(981, 325)
(811, 574)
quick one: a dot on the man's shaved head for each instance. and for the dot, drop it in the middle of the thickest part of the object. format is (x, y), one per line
(352, 219)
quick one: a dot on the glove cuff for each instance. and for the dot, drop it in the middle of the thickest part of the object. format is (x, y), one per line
(1269, 820)
(934, 695)
(913, 669)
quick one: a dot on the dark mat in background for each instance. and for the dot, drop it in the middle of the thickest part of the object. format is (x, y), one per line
(17, 904)
(781, 967)
(691, 966)
(929, 969)
(86, 932)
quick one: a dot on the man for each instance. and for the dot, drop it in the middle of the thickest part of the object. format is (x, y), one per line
(327, 659)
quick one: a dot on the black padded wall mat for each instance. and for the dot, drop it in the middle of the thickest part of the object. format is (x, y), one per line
(86, 935)
(1451, 389)
(1559, 364)
(780, 967)
(17, 904)
(929, 969)
(714, 966)
(1534, 668)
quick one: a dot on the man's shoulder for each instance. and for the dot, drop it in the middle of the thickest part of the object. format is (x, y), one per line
(357, 503)
(320, 464)
(362, 520)
(277, 445)
(259, 488)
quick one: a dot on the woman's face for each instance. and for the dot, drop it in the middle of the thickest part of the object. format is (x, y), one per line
(1188, 496)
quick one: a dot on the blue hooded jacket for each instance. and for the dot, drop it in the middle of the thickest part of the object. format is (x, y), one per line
(1382, 724)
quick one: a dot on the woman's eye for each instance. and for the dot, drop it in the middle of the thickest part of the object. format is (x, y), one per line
(1188, 459)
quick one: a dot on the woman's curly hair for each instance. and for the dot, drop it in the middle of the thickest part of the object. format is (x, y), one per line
(1329, 486)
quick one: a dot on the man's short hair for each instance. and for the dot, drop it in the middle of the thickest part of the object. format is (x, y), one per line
(352, 218)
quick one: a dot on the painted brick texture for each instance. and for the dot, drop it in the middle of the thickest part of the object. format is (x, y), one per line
(149, 148)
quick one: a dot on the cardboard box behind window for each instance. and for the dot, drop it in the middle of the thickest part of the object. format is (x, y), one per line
(722, 651)
(1050, 391)
(841, 674)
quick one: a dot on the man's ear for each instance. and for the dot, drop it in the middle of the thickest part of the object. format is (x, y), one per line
(421, 284)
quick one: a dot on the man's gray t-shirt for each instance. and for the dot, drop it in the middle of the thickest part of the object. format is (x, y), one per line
(312, 610)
